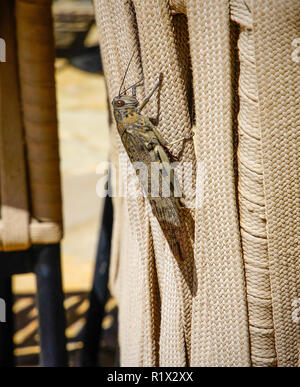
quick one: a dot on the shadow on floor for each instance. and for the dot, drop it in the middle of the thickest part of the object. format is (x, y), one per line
(26, 337)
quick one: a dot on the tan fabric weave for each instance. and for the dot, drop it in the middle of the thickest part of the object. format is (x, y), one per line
(231, 302)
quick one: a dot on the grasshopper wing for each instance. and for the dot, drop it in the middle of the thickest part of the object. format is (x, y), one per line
(167, 207)
(164, 207)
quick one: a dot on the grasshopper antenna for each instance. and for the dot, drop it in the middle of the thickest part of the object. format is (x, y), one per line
(134, 86)
(125, 73)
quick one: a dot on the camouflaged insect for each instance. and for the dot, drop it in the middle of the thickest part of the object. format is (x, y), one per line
(144, 144)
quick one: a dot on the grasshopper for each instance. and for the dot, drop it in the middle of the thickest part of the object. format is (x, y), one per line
(144, 143)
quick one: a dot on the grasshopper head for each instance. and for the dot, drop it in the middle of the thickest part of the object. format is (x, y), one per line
(125, 101)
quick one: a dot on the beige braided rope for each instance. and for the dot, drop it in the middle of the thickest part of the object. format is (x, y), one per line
(276, 24)
(220, 323)
(251, 199)
(129, 301)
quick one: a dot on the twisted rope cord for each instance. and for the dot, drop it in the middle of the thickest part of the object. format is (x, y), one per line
(251, 198)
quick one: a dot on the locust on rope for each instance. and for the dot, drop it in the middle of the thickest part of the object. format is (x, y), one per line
(144, 144)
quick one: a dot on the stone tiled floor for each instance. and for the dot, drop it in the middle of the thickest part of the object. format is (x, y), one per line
(26, 337)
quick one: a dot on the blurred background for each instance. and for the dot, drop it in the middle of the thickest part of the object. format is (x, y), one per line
(84, 143)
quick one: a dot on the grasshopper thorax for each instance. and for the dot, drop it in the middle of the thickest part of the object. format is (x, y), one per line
(125, 101)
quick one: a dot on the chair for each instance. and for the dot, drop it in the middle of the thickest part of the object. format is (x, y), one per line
(30, 199)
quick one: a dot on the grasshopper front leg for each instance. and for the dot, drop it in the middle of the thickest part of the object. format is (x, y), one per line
(155, 130)
(147, 99)
(185, 138)
(167, 144)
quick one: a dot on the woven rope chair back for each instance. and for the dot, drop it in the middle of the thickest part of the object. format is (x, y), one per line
(230, 71)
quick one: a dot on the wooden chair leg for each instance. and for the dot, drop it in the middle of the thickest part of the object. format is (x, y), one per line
(50, 298)
(7, 327)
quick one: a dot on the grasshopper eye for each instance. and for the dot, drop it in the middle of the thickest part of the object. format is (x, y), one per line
(119, 103)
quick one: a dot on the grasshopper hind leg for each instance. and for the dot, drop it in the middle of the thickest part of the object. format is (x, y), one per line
(180, 202)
